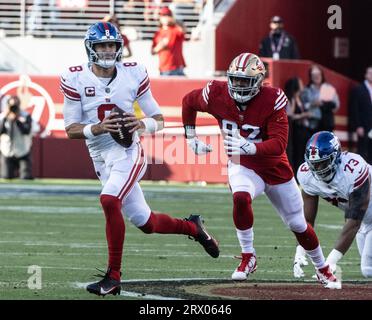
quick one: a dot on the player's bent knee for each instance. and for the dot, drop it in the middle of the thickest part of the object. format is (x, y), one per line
(149, 226)
(296, 223)
(109, 202)
(242, 199)
(137, 214)
(366, 272)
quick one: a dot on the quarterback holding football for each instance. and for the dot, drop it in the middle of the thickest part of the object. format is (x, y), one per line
(98, 107)
(253, 121)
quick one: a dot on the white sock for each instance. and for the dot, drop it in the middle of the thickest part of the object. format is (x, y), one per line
(317, 257)
(245, 238)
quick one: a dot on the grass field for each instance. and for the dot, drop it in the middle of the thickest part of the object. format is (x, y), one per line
(59, 226)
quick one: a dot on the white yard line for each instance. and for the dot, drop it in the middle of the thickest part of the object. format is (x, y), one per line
(176, 270)
(137, 246)
(330, 226)
(51, 209)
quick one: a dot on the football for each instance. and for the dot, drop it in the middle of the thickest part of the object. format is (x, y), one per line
(123, 137)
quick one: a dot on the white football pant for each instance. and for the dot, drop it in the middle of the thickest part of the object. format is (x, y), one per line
(119, 171)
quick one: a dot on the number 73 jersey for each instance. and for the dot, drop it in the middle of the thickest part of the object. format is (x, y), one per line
(264, 122)
(350, 175)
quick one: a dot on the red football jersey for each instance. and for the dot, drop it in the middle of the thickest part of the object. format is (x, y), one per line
(170, 58)
(264, 122)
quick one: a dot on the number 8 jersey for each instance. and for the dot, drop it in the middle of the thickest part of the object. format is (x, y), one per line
(89, 99)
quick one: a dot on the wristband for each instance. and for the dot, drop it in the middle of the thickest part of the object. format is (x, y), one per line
(189, 131)
(151, 125)
(87, 131)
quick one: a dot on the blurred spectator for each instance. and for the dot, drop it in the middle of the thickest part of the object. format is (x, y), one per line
(298, 122)
(115, 21)
(153, 8)
(167, 43)
(360, 115)
(279, 44)
(15, 140)
(321, 99)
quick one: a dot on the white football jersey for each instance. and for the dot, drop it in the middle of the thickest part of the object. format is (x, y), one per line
(351, 173)
(88, 99)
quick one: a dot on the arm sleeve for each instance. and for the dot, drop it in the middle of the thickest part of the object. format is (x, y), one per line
(148, 104)
(144, 81)
(194, 101)
(72, 112)
(277, 129)
(72, 109)
(144, 96)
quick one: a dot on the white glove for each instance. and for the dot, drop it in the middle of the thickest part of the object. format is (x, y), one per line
(198, 146)
(238, 145)
(333, 258)
(299, 261)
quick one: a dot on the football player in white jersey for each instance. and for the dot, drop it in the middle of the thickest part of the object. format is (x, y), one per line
(343, 179)
(91, 91)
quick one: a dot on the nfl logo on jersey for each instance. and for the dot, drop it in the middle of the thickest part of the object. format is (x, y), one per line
(90, 91)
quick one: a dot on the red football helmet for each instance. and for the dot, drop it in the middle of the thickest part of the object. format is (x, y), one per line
(245, 76)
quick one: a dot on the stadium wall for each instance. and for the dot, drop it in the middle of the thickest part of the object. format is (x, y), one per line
(55, 156)
(247, 23)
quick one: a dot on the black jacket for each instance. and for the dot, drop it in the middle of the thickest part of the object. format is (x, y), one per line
(289, 48)
(24, 126)
(360, 108)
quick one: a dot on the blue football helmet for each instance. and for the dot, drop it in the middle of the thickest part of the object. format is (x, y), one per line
(102, 32)
(322, 154)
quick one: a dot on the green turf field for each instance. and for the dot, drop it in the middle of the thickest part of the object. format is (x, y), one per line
(59, 226)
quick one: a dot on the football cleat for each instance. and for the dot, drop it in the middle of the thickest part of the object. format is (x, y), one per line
(208, 242)
(105, 286)
(247, 265)
(327, 278)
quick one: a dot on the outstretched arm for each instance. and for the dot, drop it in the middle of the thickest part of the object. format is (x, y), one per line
(358, 204)
(310, 207)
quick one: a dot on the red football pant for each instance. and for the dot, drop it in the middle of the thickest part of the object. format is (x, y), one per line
(163, 223)
(115, 232)
(242, 211)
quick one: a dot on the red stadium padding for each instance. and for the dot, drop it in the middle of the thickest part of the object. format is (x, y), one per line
(55, 156)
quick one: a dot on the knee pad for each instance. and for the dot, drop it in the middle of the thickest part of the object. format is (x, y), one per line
(296, 223)
(137, 213)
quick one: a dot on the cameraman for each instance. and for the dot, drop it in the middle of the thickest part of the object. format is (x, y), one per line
(15, 140)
